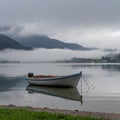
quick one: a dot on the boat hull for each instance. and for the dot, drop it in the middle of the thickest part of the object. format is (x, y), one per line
(65, 81)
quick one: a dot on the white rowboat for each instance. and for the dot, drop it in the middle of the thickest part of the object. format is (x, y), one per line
(61, 81)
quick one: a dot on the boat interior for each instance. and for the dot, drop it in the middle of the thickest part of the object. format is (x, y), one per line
(43, 76)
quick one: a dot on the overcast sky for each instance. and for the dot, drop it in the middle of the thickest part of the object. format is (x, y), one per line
(92, 23)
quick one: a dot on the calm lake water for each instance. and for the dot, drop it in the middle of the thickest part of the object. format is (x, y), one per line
(99, 89)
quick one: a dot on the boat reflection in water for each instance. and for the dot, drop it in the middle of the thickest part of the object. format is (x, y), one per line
(66, 93)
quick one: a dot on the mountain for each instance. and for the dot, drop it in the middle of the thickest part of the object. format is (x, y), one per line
(7, 42)
(37, 41)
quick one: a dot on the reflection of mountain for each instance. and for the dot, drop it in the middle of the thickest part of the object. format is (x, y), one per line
(67, 93)
(7, 83)
(111, 67)
(105, 66)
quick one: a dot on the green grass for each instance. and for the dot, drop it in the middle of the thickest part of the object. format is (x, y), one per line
(25, 114)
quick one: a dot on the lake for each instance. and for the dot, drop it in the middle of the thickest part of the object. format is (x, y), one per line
(98, 90)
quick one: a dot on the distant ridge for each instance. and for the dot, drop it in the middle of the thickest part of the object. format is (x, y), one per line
(8, 43)
(36, 41)
(40, 41)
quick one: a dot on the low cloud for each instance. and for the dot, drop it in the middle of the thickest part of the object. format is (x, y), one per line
(88, 37)
(46, 55)
(92, 23)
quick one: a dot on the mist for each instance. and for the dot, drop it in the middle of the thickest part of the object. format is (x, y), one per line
(47, 55)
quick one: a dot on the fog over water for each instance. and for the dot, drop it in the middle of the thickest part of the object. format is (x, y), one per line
(44, 55)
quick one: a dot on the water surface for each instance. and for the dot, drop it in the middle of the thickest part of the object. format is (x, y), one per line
(98, 91)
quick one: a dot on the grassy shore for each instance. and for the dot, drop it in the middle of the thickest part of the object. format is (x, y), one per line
(28, 114)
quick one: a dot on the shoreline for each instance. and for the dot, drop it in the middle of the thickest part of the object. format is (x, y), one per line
(111, 116)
